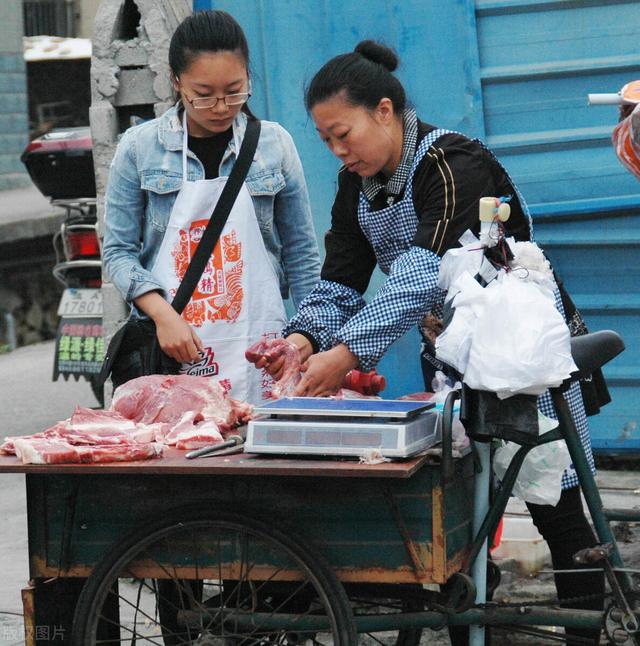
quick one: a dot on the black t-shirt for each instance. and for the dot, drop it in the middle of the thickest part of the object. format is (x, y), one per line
(447, 186)
(210, 150)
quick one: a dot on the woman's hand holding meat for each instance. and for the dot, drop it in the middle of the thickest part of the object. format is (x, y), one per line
(324, 372)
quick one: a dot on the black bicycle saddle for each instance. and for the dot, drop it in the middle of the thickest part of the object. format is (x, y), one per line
(592, 351)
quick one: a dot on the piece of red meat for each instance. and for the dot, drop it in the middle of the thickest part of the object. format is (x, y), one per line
(177, 410)
(242, 411)
(50, 451)
(272, 349)
(8, 446)
(198, 436)
(165, 399)
(88, 427)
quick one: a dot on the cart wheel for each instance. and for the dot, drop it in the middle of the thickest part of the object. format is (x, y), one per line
(382, 599)
(235, 581)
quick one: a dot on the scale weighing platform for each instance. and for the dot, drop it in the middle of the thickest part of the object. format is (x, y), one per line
(348, 427)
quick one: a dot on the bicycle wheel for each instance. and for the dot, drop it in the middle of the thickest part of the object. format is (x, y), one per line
(235, 580)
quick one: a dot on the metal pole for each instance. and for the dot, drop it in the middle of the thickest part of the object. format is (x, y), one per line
(480, 509)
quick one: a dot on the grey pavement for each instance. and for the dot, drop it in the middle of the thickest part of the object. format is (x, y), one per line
(29, 402)
(25, 213)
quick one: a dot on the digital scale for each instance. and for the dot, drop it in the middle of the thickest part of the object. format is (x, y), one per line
(349, 427)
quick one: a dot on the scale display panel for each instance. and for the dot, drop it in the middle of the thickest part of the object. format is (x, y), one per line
(323, 406)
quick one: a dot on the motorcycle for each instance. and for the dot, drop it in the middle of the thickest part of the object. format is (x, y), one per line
(626, 135)
(629, 95)
(60, 163)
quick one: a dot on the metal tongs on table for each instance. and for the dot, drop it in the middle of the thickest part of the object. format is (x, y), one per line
(233, 444)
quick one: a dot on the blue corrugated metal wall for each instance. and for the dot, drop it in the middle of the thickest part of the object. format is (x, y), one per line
(515, 73)
(539, 60)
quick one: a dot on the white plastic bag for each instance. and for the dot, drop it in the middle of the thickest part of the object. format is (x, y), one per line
(521, 343)
(458, 260)
(454, 343)
(540, 477)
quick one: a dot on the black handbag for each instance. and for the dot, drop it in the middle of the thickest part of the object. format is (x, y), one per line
(134, 350)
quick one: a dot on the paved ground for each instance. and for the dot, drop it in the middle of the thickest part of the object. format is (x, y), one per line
(30, 401)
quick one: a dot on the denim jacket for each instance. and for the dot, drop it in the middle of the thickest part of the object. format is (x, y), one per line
(146, 174)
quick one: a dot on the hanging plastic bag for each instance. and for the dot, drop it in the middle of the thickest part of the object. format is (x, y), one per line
(454, 342)
(459, 260)
(540, 477)
(521, 343)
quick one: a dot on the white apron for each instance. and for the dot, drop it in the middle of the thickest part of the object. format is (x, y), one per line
(237, 299)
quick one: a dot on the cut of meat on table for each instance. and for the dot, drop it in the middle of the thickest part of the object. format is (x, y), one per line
(147, 413)
(166, 398)
(47, 451)
(192, 432)
(90, 428)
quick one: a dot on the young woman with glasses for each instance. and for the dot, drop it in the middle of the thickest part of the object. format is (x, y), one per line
(165, 180)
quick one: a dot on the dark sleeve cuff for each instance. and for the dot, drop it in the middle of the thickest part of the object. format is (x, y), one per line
(314, 344)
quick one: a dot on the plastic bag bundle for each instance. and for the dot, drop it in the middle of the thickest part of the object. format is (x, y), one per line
(453, 344)
(508, 337)
(458, 261)
(521, 343)
(540, 477)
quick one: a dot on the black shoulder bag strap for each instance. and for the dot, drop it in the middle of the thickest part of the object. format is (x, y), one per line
(219, 216)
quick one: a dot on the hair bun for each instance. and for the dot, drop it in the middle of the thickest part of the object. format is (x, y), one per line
(377, 53)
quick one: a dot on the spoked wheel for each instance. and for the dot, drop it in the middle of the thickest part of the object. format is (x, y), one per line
(368, 599)
(212, 579)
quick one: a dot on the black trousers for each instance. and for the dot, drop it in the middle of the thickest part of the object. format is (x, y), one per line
(566, 530)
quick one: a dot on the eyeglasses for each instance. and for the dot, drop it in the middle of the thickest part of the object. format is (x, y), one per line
(208, 102)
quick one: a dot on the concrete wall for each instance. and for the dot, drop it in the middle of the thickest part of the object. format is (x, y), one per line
(13, 96)
(129, 78)
(86, 11)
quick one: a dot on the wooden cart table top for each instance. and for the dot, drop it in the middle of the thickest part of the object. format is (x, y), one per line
(173, 462)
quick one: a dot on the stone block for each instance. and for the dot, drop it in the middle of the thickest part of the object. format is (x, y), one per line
(13, 82)
(130, 53)
(136, 87)
(14, 144)
(14, 103)
(11, 25)
(103, 30)
(104, 79)
(104, 122)
(9, 162)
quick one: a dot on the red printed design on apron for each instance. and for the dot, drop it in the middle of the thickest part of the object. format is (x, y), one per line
(218, 295)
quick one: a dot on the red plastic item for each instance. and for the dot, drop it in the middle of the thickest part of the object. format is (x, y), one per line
(82, 244)
(495, 543)
(365, 383)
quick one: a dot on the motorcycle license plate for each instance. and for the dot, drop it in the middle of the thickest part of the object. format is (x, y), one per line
(80, 303)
